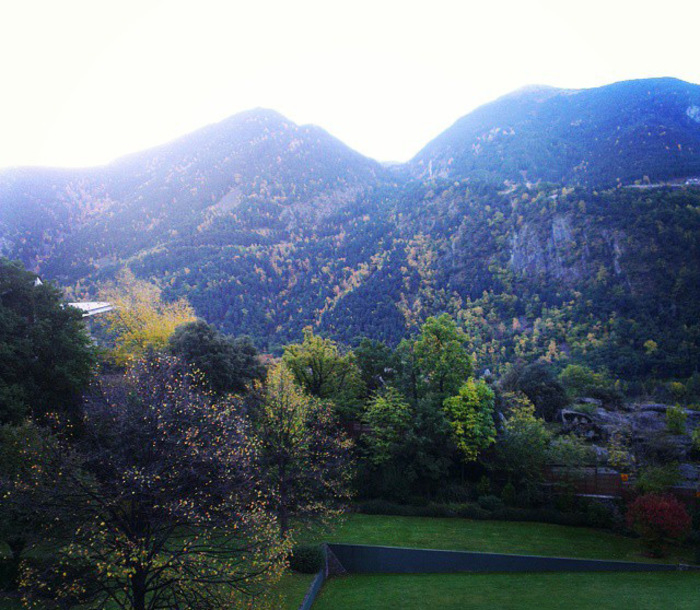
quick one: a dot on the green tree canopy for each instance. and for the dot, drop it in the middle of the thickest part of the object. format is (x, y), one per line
(522, 446)
(377, 364)
(470, 414)
(46, 356)
(323, 371)
(539, 385)
(305, 455)
(228, 364)
(390, 418)
(441, 357)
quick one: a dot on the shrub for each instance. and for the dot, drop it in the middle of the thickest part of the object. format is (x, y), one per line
(600, 515)
(483, 487)
(677, 390)
(306, 559)
(661, 448)
(490, 502)
(473, 511)
(657, 479)
(381, 507)
(675, 419)
(619, 455)
(508, 494)
(455, 492)
(696, 440)
(8, 574)
(657, 519)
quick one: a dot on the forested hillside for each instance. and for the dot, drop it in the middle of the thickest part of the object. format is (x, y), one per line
(513, 221)
(600, 137)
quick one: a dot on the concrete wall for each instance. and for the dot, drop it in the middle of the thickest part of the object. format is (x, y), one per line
(361, 559)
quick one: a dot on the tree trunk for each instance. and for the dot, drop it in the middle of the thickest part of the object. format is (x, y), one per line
(284, 520)
(138, 589)
(16, 545)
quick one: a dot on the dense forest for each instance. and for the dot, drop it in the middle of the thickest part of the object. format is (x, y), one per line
(296, 329)
(266, 227)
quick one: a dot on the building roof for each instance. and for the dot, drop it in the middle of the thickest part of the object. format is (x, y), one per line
(91, 308)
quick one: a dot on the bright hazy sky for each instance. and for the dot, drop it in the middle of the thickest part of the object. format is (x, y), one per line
(87, 81)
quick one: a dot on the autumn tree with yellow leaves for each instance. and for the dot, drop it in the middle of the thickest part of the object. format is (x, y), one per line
(140, 319)
(305, 454)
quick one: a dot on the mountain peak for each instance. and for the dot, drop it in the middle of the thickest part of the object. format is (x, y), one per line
(613, 134)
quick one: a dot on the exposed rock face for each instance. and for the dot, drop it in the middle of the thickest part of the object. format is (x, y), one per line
(582, 424)
(645, 426)
(562, 253)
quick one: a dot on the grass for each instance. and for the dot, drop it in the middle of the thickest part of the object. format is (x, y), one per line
(495, 537)
(471, 591)
(8, 602)
(292, 588)
(602, 591)
(289, 591)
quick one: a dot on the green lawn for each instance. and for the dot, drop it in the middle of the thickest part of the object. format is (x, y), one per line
(291, 590)
(494, 537)
(502, 591)
(614, 591)
(8, 603)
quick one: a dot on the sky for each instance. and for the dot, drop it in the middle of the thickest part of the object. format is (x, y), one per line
(87, 81)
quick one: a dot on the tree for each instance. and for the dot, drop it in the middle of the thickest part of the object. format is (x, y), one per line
(389, 418)
(322, 371)
(306, 456)
(579, 380)
(171, 516)
(140, 319)
(522, 446)
(376, 363)
(46, 356)
(470, 414)
(31, 473)
(441, 358)
(228, 365)
(539, 385)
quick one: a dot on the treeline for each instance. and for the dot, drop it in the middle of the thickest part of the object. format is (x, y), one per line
(608, 279)
(176, 463)
(171, 468)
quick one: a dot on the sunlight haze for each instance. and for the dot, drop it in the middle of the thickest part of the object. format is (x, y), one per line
(86, 82)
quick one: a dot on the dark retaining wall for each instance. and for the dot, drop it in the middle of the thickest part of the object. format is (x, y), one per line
(313, 590)
(361, 559)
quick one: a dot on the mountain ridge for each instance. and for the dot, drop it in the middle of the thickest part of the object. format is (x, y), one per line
(573, 136)
(267, 226)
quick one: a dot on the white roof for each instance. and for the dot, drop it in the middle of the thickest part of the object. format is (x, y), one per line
(91, 308)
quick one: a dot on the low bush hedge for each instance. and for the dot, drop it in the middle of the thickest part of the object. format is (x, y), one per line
(306, 558)
(489, 507)
(8, 574)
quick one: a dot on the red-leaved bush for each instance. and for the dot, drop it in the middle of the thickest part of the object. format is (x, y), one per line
(657, 518)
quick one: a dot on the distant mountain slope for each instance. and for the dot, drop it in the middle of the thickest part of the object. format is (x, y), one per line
(616, 133)
(71, 223)
(267, 226)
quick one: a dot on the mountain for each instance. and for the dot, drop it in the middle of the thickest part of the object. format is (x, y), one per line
(614, 134)
(54, 220)
(267, 226)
